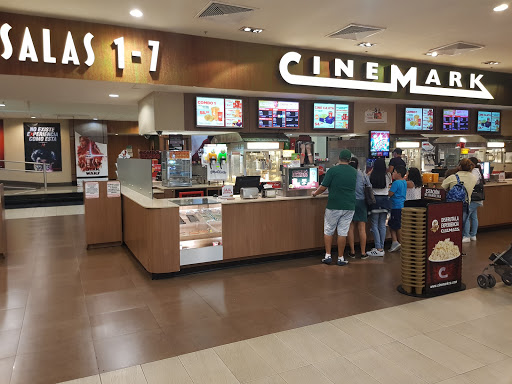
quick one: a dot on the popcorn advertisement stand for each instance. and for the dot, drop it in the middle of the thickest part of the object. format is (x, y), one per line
(431, 251)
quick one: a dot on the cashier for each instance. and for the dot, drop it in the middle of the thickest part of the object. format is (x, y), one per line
(341, 204)
(396, 160)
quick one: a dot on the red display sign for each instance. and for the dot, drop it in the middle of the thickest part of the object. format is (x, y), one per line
(444, 247)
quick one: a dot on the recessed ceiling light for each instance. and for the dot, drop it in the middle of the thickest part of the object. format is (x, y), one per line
(95, 118)
(500, 8)
(251, 29)
(2, 104)
(32, 117)
(491, 62)
(366, 44)
(136, 13)
(433, 54)
(113, 95)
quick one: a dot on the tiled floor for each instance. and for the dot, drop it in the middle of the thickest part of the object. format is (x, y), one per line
(399, 345)
(25, 213)
(67, 312)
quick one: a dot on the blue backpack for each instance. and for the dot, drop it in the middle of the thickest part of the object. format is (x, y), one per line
(458, 193)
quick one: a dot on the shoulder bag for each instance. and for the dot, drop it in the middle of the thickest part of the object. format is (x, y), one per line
(369, 197)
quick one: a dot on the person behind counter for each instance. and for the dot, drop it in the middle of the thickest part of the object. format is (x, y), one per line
(477, 200)
(397, 194)
(469, 181)
(361, 213)
(341, 204)
(396, 160)
(380, 181)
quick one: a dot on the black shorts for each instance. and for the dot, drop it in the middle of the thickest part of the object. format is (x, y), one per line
(395, 221)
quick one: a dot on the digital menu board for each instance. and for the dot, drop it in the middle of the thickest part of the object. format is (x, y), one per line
(419, 119)
(303, 178)
(379, 143)
(278, 114)
(455, 119)
(488, 121)
(330, 116)
(218, 112)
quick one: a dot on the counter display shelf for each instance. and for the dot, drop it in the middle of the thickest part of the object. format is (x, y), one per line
(200, 230)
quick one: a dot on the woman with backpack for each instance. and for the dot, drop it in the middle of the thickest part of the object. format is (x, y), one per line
(460, 187)
(380, 180)
(477, 200)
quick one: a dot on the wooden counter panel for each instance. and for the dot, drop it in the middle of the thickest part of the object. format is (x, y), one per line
(497, 208)
(272, 227)
(153, 236)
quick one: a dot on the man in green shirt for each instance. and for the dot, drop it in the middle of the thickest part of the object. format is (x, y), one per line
(341, 204)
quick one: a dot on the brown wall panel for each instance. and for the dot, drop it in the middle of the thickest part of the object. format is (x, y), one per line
(497, 209)
(117, 143)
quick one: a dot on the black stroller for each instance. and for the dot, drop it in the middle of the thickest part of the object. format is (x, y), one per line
(502, 264)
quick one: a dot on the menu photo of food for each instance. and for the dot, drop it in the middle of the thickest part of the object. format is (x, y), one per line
(419, 119)
(488, 121)
(210, 112)
(234, 113)
(324, 116)
(341, 116)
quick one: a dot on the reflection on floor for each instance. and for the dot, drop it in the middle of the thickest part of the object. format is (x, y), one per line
(67, 312)
(463, 338)
(24, 213)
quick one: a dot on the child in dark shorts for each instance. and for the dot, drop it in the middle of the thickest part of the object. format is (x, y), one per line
(397, 195)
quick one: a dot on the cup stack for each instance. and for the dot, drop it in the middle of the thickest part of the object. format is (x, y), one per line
(414, 247)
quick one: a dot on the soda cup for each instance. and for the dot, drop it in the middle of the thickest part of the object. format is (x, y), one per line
(219, 115)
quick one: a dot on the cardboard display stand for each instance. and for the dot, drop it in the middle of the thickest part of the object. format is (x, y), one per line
(103, 220)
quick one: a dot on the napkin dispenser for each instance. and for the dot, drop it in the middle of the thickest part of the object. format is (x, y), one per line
(249, 193)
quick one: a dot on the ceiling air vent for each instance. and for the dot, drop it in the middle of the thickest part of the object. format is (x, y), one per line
(355, 32)
(222, 9)
(456, 48)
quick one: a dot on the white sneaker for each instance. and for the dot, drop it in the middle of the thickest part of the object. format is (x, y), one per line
(466, 240)
(395, 247)
(473, 238)
(375, 253)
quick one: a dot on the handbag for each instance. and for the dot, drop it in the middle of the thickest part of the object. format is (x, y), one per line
(369, 197)
(478, 193)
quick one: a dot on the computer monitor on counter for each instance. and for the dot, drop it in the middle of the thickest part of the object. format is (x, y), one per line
(246, 182)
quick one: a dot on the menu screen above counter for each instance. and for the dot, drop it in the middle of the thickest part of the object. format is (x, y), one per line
(330, 116)
(218, 112)
(488, 121)
(278, 114)
(419, 119)
(455, 119)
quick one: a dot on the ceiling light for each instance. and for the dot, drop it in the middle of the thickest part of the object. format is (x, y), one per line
(495, 144)
(251, 29)
(491, 62)
(136, 13)
(433, 54)
(32, 117)
(113, 95)
(2, 104)
(365, 44)
(95, 118)
(500, 8)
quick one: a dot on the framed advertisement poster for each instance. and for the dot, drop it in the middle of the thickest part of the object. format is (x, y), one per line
(91, 157)
(444, 248)
(42, 146)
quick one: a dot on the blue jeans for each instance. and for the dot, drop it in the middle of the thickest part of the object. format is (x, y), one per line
(379, 228)
(470, 226)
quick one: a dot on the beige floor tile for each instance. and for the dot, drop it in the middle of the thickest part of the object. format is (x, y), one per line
(66, 210)
(461, 379)
(362, 331)
(305, 375)
(50, 211)
(38, 212)
(496, 373)
(441, 353)
(244, 362)
(487, 333)
(414, 362)
(206, 367)
(310, 348)
(341, 371)
(467, 346)
(168, 371)
(276, 379)
(336, 339)
(276, 353)
(21, 213)
(398, 323)
(131, 375)
(86, 380)
(383, 370)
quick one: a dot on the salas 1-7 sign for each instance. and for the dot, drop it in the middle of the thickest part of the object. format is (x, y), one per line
(432, 85)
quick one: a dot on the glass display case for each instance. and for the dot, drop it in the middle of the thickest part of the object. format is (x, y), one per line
(176, 168)
(200, 230)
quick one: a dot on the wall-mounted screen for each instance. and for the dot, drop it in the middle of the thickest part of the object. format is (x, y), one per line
(455, 119)
(488, 121)
(218, 112)
(330, 116)
(303, 178)
(419, 119)
(379, 143)
(278, 114)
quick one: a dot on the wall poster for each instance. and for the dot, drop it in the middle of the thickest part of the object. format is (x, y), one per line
(91, 157)
(42, 146)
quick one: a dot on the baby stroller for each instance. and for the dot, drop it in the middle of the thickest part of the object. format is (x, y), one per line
(502, 264)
